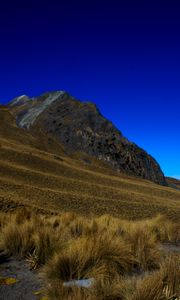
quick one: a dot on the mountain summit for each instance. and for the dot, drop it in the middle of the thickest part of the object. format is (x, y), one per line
(79, 126)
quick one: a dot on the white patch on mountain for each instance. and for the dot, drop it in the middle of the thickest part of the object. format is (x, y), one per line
(29, 118)
(21, 99)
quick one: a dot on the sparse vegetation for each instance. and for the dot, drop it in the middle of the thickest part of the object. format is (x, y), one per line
(116, 238)
(73, 218)
(40, 175)
(123, 258)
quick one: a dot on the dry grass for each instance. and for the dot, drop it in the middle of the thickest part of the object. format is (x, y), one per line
(31, 175)
(18, 239)
(170, 271)
(32, 238)
(123, 257)
(88, 257)
(149, 288)
(160, 285)
(144, 246)
(57, 291)
(165, 230)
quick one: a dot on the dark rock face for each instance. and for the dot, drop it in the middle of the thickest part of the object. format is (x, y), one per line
(81, 127)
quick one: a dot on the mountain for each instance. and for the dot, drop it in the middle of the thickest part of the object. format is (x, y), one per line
(37, 172)
(173, 182)
(79, 126)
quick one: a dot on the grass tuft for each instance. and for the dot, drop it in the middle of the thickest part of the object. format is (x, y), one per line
(122, 257)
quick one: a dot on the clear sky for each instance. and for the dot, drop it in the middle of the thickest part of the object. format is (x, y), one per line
(122, 55)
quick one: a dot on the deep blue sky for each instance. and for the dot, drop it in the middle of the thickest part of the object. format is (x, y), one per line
(122, 55)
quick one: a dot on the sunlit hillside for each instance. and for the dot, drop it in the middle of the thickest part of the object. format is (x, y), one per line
(36, 172)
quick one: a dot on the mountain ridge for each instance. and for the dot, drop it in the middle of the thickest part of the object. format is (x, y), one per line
(36, 172)
(80, 126)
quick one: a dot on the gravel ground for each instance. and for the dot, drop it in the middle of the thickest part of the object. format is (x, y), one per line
(27, 283)
(170, 248)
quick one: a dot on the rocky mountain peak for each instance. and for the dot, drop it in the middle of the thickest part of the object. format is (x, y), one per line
(21, 100)
(79, 126)
(34, 107)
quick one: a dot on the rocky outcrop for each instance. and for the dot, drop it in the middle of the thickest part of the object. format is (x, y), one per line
(79, 126)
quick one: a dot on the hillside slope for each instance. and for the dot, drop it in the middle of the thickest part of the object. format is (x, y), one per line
(79, 126)
(35, 171)
(175, 183)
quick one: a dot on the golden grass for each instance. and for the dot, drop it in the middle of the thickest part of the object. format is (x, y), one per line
(88, 257)
(18, 239)
(149, 288)
(31, 238)
(123, 257)
(31, 175)
(144, 245)
(162, 284)
(73, 220)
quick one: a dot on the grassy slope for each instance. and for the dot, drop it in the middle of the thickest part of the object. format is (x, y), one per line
(36, 172)
(173, 182)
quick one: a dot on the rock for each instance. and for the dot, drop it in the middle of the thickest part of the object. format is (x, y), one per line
(85, 283)
(79, 126)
